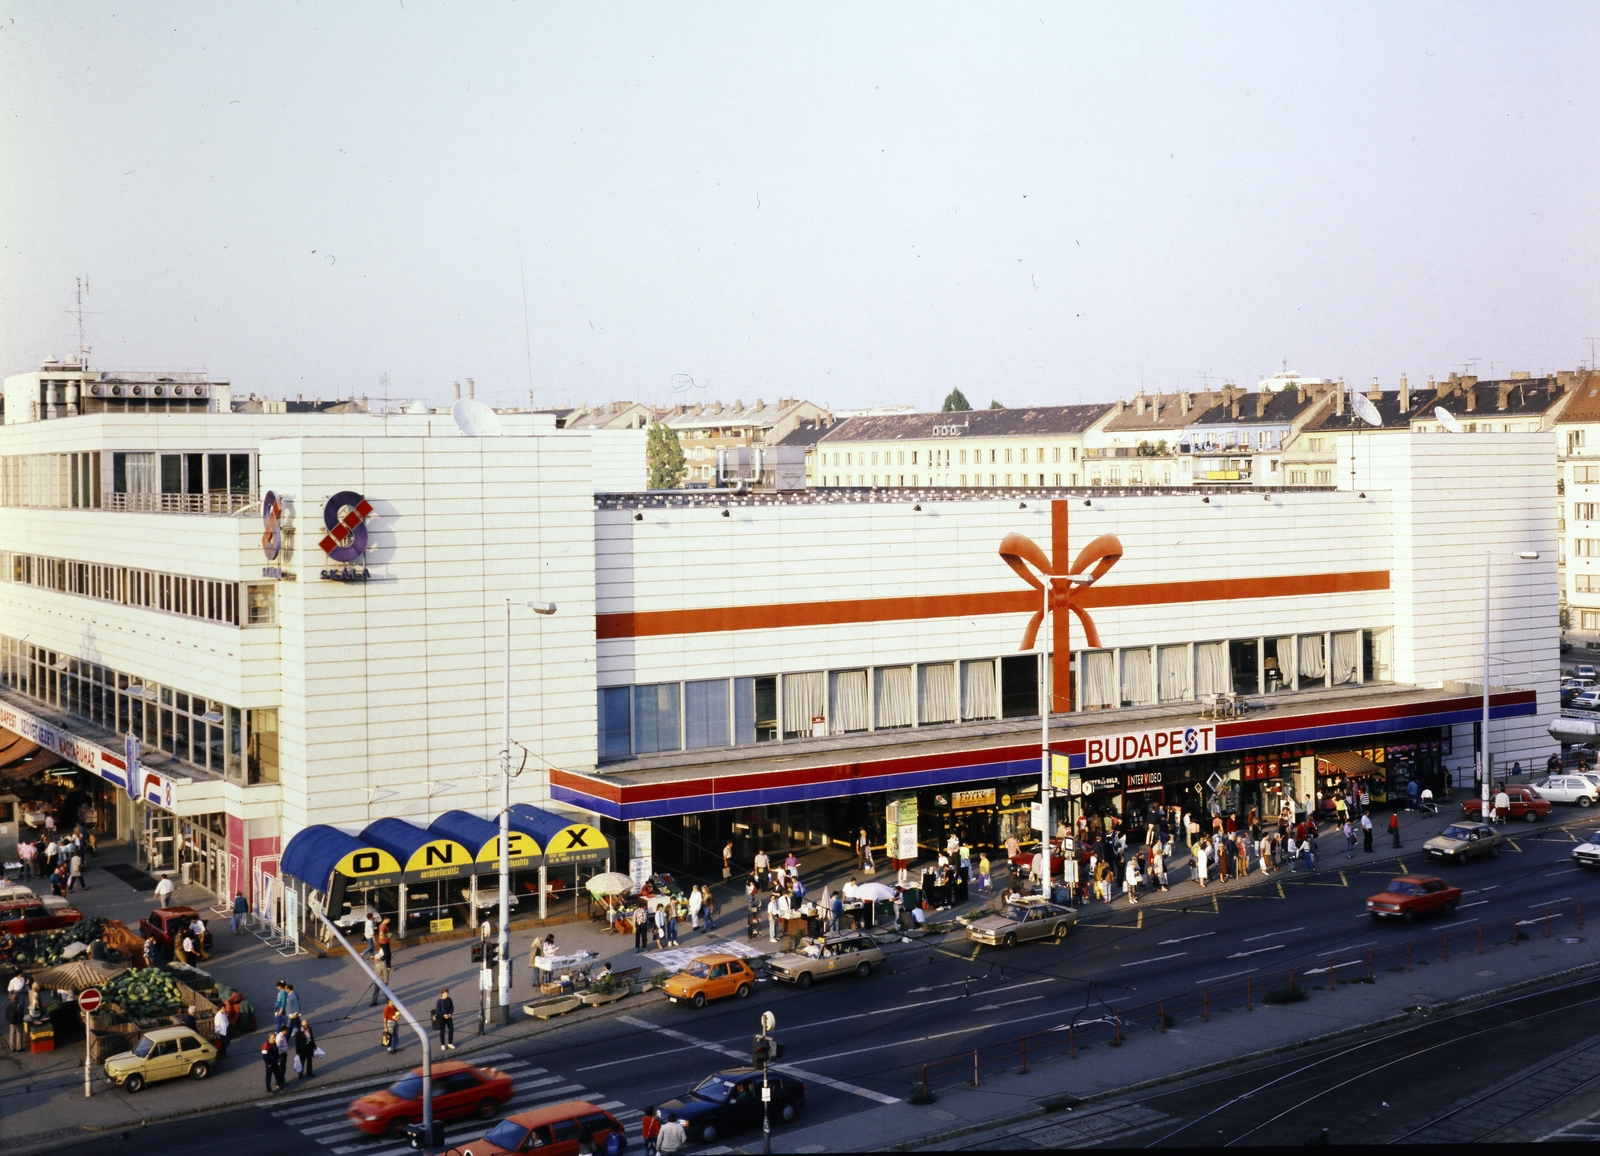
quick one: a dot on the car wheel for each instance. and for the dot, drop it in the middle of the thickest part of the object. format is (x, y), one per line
(744, 991)
(1585, 801)
(1494, 852)
(200, 1069)
(486, 1108)
(1460, 858)
(1532, 816)
(134, 1082)
(708, 1134)
(1450, 908)
(788, 1113)
(1409, 917)
(863, 970)
(1010, 940)
(1061, 932)
(805, 979)
(699, 1000)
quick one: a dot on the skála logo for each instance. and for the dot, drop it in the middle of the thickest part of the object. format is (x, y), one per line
(271, 526)
(345, 516)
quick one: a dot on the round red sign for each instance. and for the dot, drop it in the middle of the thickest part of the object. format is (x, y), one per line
(89, 999)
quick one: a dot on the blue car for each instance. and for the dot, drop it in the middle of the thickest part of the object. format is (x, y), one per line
(730, 1101)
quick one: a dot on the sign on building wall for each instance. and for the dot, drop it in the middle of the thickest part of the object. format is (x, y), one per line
(1145, 746)
(141, 783)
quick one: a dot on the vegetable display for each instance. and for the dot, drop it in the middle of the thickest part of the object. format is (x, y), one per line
(144, 993)
(44, 948)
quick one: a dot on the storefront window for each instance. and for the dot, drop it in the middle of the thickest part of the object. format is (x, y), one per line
(263, 754)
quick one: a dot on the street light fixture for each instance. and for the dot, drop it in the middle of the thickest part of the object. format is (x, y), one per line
(1044, 718)
(1485, 767)
(503, 1008)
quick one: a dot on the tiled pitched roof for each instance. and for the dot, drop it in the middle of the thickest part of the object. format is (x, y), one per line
(1163, 411)
(1030, 421)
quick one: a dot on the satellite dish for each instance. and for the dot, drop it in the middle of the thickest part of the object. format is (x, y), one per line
(1447, 419)
(475, 419)
(1362, 405)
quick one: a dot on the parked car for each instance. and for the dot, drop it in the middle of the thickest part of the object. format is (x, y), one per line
(847, 953)
(1568, 789)
(730, 1101)
(1023, 919)
(1461, 841)
(1412, 895)
(552, 1130)
(711, 977)
(459, 1089)
(23, 916)
(1587, 853)
(1588, 700)
(1584, 670)
(11, 890)
(1526, 803)
(166, 922)
(162, 1054)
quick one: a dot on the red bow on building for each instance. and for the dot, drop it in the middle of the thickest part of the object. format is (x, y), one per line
(1020, 551)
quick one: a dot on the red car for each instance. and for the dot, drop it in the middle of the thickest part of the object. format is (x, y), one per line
(459, 1089)
(22, 916)
(167, 923)
(1526, 803)
(1412, 895)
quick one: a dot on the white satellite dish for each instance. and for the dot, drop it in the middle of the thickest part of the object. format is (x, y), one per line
(475, 419)
(1363, 408)
(1447, 419)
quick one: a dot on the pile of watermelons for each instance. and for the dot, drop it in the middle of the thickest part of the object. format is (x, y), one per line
(44, 948)
(142, 994)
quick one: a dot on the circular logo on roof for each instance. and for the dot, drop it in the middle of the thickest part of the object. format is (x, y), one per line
(271, 525)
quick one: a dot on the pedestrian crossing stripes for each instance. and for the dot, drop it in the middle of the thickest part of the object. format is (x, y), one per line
(322, 1118)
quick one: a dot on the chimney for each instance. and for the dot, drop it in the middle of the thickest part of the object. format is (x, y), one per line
(1405, 394)
(1338, 401)
(738, 403)
(1138, 404)
(1375, 392)
(1231, 396)
(472, 388)
(1261, 403)
(1155, 407)
(1502, 393)
(1472, 399)
(1121, 406)
(456, 385)
(1300, 393)
(1183, 401)
(760, 404)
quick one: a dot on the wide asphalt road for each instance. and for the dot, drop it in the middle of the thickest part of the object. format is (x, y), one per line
(857, 1043)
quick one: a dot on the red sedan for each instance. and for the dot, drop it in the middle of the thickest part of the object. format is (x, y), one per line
(23, 917)
(1526, 803)
(1412, 895)
(459, 1089)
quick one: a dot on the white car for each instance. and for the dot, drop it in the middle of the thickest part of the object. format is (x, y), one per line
(1588, 700)
(1587, 853)
(1568, 789)
(10, 890)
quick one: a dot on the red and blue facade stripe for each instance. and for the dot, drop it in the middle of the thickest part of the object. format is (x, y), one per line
(617, 799)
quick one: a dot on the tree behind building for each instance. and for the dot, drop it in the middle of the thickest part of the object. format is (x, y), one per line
(664, 457)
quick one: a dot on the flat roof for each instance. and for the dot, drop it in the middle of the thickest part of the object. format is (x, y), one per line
(916, 495)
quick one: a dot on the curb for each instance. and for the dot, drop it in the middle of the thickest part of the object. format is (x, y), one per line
(1063, 1101)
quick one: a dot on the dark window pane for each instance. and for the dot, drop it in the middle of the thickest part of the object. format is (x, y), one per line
(614, 728)
(171, 473)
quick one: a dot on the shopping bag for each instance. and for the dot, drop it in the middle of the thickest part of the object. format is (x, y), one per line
(298, 1065)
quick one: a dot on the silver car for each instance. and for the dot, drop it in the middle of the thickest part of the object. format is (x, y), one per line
(1587, 853)
(1024, 919)
(1569, 788)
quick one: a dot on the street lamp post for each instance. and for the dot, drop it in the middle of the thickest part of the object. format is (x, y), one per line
(1485, 766)
(503, 1008)
(1044, 718)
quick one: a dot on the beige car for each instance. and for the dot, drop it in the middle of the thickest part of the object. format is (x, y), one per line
(843, 953)
(1023, 919)
(162, 1054)
(1460, 841)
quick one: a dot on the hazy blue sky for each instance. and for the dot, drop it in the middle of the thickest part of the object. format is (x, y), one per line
(856, 204)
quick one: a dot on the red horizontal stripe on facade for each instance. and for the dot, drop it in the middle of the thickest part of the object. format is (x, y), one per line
(777, 616)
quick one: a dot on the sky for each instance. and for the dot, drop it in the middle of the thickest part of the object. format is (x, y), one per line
(855, 204)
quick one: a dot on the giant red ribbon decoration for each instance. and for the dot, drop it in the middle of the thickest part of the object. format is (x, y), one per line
(1019, 551)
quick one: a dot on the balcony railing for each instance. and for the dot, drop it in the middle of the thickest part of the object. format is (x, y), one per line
(215, 503)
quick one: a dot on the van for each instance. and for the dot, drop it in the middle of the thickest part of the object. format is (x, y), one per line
(552, 1130)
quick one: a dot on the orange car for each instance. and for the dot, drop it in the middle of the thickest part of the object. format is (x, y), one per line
(459, 1089)
(553, 1130)
(711, 977)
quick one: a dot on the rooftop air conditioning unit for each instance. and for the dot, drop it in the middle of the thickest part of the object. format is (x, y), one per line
(97, 391)
(200, 390)
(158, 391)
(116, 391)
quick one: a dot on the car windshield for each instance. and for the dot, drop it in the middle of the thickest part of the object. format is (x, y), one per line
(142, 1048)
(507, 1135)
(1016, 912)
(698, 970)
(715, 1088)
(409, 1088)
(1593, 837)
(1457, 833)
(1401, 887)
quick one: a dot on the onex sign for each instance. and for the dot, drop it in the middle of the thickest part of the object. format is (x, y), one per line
(1142, 746)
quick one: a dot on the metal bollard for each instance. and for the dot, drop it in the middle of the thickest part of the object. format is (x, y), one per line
(1408, 955)
(1447, 947)
(1206, 1006)
(1024, 1042)
(1247, 1006)
(974, 1067)
(1330, 974)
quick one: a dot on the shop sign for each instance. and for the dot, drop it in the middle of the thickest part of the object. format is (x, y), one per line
(1145, 746)
(151, 786)
(1061, 773)
(979, 798)
(435, 926)
(1144, 780)
(941, 800)
(577, 843)
(1038, 818)
(345, 517)
(369, 867)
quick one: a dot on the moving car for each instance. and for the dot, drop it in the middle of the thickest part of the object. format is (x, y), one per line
(1587, 853)
(1022, 919)
(1526, 803)
(731, 1100)
(552, 1130)
(165, 923)
(1568, 789)
(1460, 841)
(711, 977)
(459, 1089)
(161, 1054)
(1412, 895)
(846, 953)
(23, 916)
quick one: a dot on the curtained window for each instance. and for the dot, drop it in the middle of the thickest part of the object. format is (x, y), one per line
(1099, 680)
(804, 698)
(1212, 675)
(1174, 663)
(1311, 658)
(978, 692)
(848, 702)
(1138, 684)
(895, 705)
(1285, 650)
(938, 699)
(705, 714)
(1346, 658)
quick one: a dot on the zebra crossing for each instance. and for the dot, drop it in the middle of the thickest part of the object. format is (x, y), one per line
(322, 1119)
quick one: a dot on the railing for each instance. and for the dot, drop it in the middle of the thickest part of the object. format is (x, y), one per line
(1106, 1025)
(215, 503)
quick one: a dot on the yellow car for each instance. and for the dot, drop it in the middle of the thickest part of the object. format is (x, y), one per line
(711, 977)
(162, 1054)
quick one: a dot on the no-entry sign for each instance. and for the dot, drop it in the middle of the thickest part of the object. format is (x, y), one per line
(89, 1000)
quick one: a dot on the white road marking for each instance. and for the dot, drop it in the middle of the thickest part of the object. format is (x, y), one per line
(1230, 975)
(1009, 1003)
(1475, 903)
(1185, 938)
(637, 1059)
(1155, 959)
(1270, 934)
(1548, 902)
(1563, 871)
(1257, 951)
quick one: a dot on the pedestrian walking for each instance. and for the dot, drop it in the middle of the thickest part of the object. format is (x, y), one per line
(1201, 863)
(391, 1026)
(641, 928)
(269, 1061)
(709, 907)
(1394, 828)
(1349, 839)
(75, 872)
(672, 1136)
(659, 928)
(241, 913)
(649, 1130)
(984, 868)
(14, 1022)
(280, 1006)
(164, 890)
(772, 917)
(1366, 832)
(444, 1019)
(763, 870)
(1292, 853)
(220, 1028)
(695, 904)
(305, 1049)
(727, 860)
(863, 846)
(1132, 879)
(671, 930)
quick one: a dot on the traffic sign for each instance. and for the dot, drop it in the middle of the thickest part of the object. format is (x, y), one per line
(768, 1021)
(89, 1000)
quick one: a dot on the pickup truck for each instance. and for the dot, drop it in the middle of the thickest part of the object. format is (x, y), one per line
(166, 922)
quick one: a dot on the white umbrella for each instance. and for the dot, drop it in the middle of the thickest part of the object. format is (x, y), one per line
(873, 891)
(610, 883)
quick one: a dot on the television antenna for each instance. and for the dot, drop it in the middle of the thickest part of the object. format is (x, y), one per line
(1591, 341)
(79, 313)
(474, 419)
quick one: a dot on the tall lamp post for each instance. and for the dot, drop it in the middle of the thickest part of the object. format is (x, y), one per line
(1485, 767)
(503, 1008)
(1044, 717)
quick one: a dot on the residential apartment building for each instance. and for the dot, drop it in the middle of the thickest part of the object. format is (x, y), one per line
(704, 428)
(1244, 438)
(1578, 444)
(1137, 444)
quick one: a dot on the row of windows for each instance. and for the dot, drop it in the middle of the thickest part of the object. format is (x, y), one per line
(941, 457)
(1586, 473)
(660, 717)
(241, 745)
(174, 593)
(1318, 477)
(1586, 583)
(176, 483)
(1586, 547)
(1583, 511)
(52, 481)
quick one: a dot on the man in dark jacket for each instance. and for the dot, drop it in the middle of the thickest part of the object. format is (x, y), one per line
(270, 1061)
(305, 1046)
(444, 1012)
